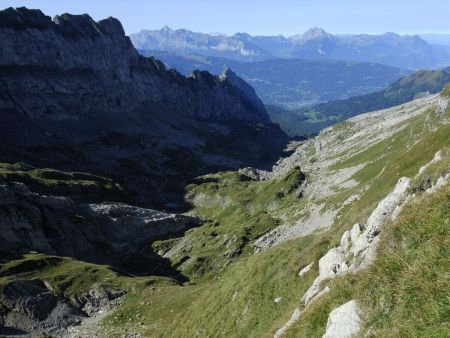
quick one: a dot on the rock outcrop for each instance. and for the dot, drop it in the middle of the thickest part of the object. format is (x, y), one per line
(29, 306)
(306, 269)
(97, 299)
(364, 247)
(108, 233)
(358, 246)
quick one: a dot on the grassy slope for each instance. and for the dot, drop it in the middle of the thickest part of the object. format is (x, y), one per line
(68, 276)
(237, 210)
(74, 184)
(405, 293)
(239, 301)
(258, 279)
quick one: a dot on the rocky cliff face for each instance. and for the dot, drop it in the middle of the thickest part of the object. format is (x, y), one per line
(85, 66)
(75, 93)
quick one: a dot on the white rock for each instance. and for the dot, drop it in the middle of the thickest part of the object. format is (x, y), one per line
(443, 104)
(355, 232)
(330, 265)
(345, 242)
(278, 299)
(344, 321)
(384, 209)
(306, 269)
(294, 318)
(442, 181)
(383, 212)
(439, 156)
(312, 292)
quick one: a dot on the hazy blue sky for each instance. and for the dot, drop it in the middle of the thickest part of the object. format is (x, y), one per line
(272, 17)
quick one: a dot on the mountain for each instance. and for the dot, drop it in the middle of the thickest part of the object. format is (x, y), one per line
(76, 94)
(312, 119)
(292, 83)
(184, 41)
(391, 49)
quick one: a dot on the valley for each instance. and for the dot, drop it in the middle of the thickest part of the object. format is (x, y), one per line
(143, 197)
(293, 83)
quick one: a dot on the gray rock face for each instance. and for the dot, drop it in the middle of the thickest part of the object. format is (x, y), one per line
(332, 264)
(29, 306)
(115, 234)
(306, 269)
(129, 223)
(96, 299)
(365, 245)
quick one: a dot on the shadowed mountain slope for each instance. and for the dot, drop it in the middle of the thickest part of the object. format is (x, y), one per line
(75, 94)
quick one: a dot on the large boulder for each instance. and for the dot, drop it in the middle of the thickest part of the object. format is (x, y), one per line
(344, 321)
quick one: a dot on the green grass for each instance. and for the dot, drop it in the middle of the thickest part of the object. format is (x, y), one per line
(237, 210)
(238, 303)
(68, 276)
(50, 181)
(446, 91)
(405, 292)
(433, 172)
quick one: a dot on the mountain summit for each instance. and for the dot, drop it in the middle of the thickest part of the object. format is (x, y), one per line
(314, 33)
(166, 30)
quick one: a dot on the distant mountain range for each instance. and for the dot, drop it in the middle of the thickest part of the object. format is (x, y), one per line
(317, 117)
(411, 52)
(293, 83)
(184, 41)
